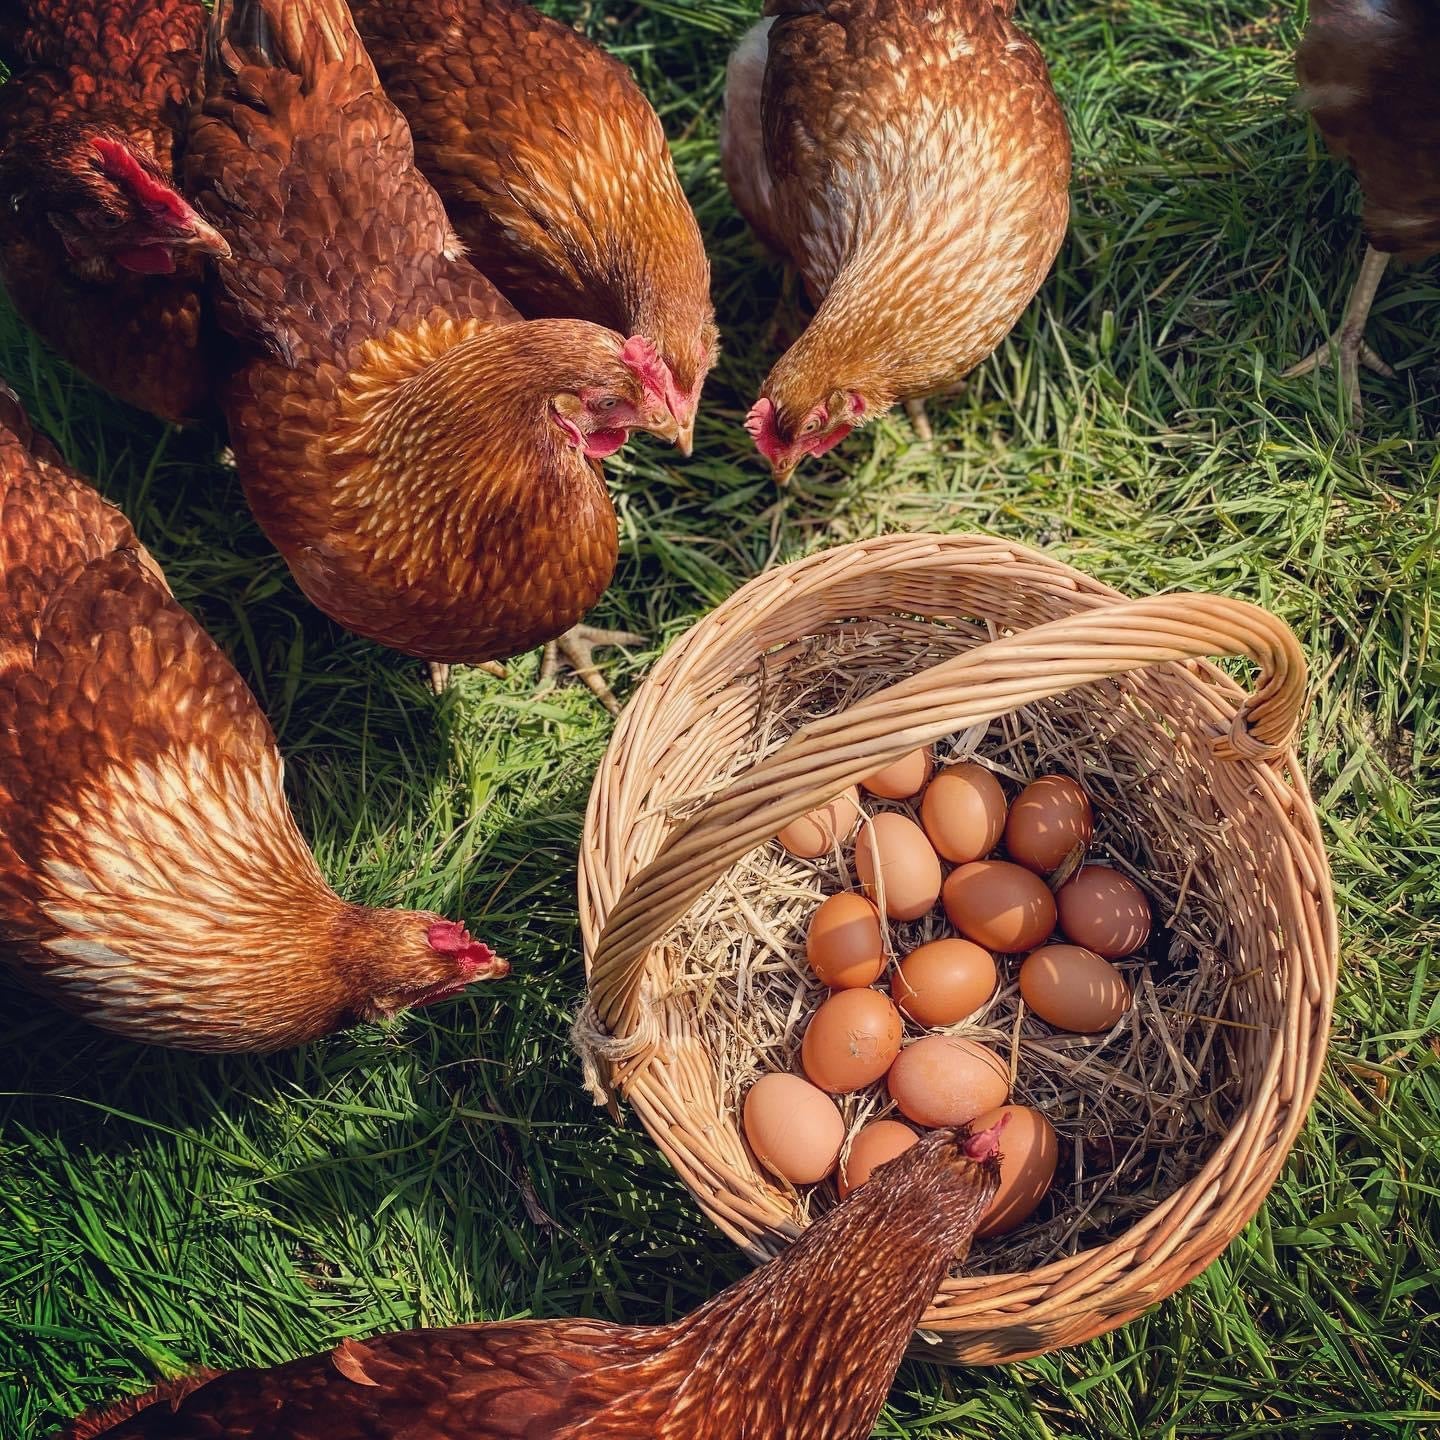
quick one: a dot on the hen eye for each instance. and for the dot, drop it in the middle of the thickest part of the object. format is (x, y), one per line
(609, 402)
(810, 426)
(104, 220)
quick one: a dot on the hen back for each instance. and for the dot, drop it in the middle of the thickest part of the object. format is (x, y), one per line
(128, 64)
(803, 1348)
(910, 159)
(553, 166)
(1369, 72)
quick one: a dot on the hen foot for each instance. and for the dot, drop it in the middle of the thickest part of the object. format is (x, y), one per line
(577, 646)
(440, 674)
(919, 420)
(1347, 346)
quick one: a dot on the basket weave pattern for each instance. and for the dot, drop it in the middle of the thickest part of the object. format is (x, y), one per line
(650, 851)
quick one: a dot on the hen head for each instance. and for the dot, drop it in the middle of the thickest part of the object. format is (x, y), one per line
(611, 392)
(110, 203)
(419, 960)
(785, 433)
(684, 378)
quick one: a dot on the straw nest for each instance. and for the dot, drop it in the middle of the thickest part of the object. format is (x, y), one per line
(1173, 1124)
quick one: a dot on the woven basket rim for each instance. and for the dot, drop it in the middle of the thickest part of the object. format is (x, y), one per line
(628, 908)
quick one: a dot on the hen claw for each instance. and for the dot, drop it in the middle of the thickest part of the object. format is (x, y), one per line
(578, 645)
(440, 673)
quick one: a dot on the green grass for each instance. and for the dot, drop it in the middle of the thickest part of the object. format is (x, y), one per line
(158, 1210)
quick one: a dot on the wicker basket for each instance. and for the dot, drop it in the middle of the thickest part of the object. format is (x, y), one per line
(675, 805)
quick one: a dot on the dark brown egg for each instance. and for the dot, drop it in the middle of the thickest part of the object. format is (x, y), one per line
(1001, 906)
(1049, 818)
(944, 981)
(851, 1040)
(1105, 911)
(1074, 988)
(964, 812)
(845, 944)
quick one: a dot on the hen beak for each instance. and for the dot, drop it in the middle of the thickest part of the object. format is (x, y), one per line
(666, 427)
(685, 438)
(782, 470)
(199, 237)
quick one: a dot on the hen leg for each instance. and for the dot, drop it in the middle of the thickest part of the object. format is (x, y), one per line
(577, 646)
(919, 420)
(1348, 345)
(440, 674)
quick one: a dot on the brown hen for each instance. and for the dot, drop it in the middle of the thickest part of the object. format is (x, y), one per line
(804, 1348)
(1369, 73)
(152, 880)
(426, 462)
(910, 159)
(98, 251)
(555, 171)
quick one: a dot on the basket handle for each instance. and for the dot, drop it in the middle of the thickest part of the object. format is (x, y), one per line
(983, 683)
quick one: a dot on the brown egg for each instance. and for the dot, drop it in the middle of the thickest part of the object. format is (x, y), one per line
(845, 945)
(901, 779)
(1105, 911)
(1074, 988)
(908, 866)
(793, 1128)
(817, 833)
(1028, 1153)
(877, 1142)
(942, 1080)
(944, 981)
(1049, 818)
(851, 1040)
(1001, 906)
(964, 812)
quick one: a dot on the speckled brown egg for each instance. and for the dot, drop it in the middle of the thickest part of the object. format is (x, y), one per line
(964, 812)
(845, 944)
(1004, 907)
(851, 1040)
(1105, 911)
(1074, 988)
(907, 866)
(877, 1142)
(942, 982)
(943, 1080)
(793, 1128)
(817, 833)
(1049, 818)
(1028, 1152)
(902, 778)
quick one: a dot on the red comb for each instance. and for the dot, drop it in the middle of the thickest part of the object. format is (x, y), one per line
(985, 1145)
(119, 162)
(644, 359)
(450, 938)
(761, 417)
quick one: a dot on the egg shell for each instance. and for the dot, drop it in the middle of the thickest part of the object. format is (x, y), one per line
(793, 1128)
(851, 1040)
(1049, 818)
(943, 981)
(964, 812)
(817, 833)
(1074, 988)
(1028, 1154)
(845, 944)
(909, 868)
(943, 1080)
(1104, 911)
(1004, 907)
(901, 779)
(877, 1142)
